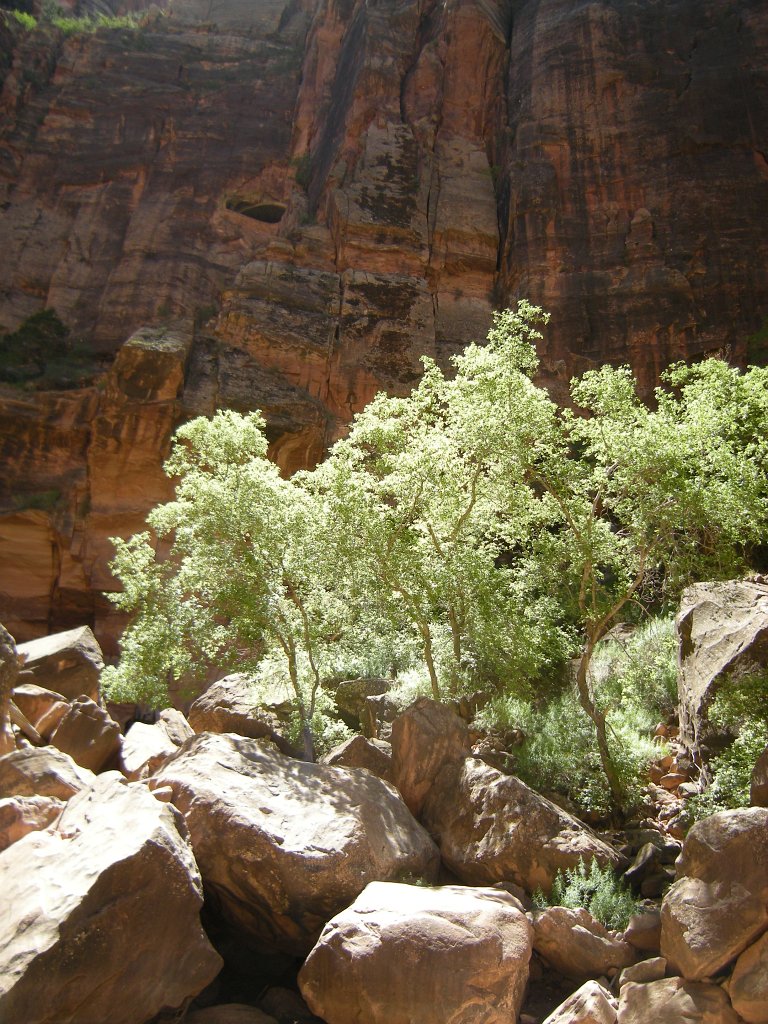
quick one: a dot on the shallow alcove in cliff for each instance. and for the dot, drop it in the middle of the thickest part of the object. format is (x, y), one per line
(267, 213)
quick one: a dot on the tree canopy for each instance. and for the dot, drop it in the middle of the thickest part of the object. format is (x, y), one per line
(498, 533)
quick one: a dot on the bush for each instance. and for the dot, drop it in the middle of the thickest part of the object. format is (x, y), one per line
(741, 707)
(594, 889)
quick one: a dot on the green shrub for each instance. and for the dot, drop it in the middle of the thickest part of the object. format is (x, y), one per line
(741, 706)
(27, 21)
(594, 889)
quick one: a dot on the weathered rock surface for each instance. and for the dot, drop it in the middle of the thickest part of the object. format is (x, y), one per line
(68, 663)
(748, 987)
(231, 705)
(644, 931)
(451, 955)
(284, 845)
(410, 167)
(35, 701)
(144, 749)
(359, 752)
(492, 827)
(644, 971)
(88, 735)
(42, 772)
(590, 1004)
(175, 726)
(723, 629)
(719, 905)
(425, 738)
(122, 902)
(675, 1001)
(22, 814)
(577, 945)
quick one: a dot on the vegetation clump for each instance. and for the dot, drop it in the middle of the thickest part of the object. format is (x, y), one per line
(594, 889)
(473, 523)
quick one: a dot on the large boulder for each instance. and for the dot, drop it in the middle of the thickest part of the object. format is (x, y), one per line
(101, 914)
(35, 701)
(69, 663)
(425, 738)
(351, 696)
(723, 629)
(45, 771)
(748, 987)
(590, 1004)
(719, 904)
(578, 946)
(232, 705)
(20, 815)
(491, 827)
(175, 726)
(360, 752)
(283, 845)
(451, 955)
(88, 734)
(675, 1001)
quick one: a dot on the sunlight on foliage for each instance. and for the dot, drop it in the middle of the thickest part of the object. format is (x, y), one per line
(594, 889)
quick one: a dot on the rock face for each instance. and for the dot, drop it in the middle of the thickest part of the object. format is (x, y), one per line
(411, 165)
(425, 738)
(230, 705)
(122, 897)
(284, 845)
(359, 752)
(749, 984)
(723, 629)
(590, 1004)
(719, 905)
(44, 772)
(22, 814)
(577, 945)
(68, 663)
(675, 1001)
(88, 735)
(491, 827)
(451, 955)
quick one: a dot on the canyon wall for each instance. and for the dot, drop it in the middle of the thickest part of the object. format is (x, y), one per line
(284, 204)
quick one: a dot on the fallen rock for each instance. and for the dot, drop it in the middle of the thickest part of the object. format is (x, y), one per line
(377, 716)
(118, 937)
(35, 701)
(719, 905)
(577, 945)
(283, 845)
(88, 735)
(144, 749)
(20, 815)
(644, 931)
(68, 663)
(400, 953)
(748, 987)
(229, 1013)
(360, 752)
(644, 971)
(425, 738)
(491, 827)
(704, 925)
(590, 1004)
(175, 726)
(675, 1001)
(42, 772)
(351, 695)
(723, 628)
(231, 705)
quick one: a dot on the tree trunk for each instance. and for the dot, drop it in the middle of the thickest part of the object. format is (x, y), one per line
(307, 739)
(427, 638)
(598, 719)
(9, 672)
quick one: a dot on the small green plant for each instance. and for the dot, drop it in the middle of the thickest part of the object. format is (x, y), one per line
(594, 889)
(27, 21)
(741, 707)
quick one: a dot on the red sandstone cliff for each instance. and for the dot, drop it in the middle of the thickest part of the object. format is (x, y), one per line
(285, 204)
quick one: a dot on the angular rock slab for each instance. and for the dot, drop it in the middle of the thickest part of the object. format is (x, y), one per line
(20, 815)
(359, 752)
(45, 771)
(675, 1001)
(144, 749)
(719, 905)
(449, 955)
(284, 845)
(88, 734)
(590, 1004)
(425, 738)
(749, 983)
(231, 705)
(491, 827)
(101, 914)
(577, 945)
(69, 663)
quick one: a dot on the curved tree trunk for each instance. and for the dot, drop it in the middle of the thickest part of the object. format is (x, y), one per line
(598, 719)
